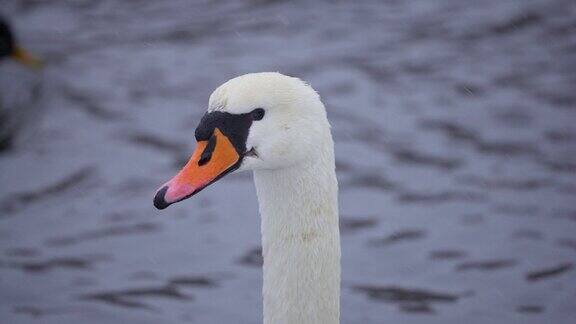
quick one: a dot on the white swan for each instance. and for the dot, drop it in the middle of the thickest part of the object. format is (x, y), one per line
(276, 126)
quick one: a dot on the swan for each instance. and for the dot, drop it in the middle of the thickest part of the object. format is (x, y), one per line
(276, 126)
(18, 100)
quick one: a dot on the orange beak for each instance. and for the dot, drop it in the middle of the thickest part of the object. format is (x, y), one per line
(210, 161)
(23, 57)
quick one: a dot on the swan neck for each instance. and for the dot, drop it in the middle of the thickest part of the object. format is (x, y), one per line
(300, 242)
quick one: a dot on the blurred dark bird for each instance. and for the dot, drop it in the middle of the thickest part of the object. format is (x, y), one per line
(16, 100)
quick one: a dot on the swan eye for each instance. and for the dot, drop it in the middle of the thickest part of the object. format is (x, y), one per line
(257, 114)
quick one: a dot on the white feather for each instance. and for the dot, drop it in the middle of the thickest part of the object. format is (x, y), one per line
(297, 192)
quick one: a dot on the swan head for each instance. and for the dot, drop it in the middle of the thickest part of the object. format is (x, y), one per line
(255, 121)
(10, 49)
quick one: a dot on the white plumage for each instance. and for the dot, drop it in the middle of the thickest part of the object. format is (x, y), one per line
(295, 179)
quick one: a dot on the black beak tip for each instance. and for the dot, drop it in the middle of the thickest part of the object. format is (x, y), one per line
(159, 201)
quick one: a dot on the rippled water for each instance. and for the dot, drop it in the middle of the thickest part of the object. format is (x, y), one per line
(456, 147)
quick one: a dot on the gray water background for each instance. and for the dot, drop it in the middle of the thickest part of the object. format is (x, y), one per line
(455, 134)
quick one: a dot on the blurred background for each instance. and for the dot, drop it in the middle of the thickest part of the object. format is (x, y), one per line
(455, 134)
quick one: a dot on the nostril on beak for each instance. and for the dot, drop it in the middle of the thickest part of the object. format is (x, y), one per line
(207, 154)
(159, 201)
